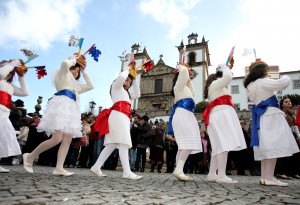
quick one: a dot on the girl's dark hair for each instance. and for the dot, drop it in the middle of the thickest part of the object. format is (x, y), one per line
(210, 79)
(79, 73)
(174, 82)
(256, 72)
(206, 134)
(12, 76)
(281, 102)
(130, 76)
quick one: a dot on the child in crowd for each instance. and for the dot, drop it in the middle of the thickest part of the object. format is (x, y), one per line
(8, 142)
(115, 123)
(223, 125)
(271, 136)
(62, 115)
(183, 121)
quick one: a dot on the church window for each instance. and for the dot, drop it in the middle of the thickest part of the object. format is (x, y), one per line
(158, 86)
(192, 58)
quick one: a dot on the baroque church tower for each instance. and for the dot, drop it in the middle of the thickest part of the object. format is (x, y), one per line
(156, 100)
(198, 59)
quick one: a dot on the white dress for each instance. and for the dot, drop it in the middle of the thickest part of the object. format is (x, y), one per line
(63, 113)
(185, 125)
(275, 136)
(9, 145)
(118, 122)
(224, 129)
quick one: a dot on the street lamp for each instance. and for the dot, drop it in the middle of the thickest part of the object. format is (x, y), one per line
(92, 105)
(100, 109)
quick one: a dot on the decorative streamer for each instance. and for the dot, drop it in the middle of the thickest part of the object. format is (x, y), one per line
(40, 70)
(94, 52)
(230, 57)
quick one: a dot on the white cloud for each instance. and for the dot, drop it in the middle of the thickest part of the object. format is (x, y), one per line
(38, 23)
(173, 13)
(272, 28)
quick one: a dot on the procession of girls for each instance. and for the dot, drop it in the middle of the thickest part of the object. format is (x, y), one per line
(62, 121)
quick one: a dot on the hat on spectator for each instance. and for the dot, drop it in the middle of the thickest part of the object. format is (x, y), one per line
(19, 103)
(145, 117)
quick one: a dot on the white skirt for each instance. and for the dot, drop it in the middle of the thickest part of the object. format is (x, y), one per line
(224, 130)
(119, 129)
(186, 130)
(9, 145)
(275, 138)
(63, 114)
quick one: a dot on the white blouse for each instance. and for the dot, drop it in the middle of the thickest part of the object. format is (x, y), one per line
(184, 86)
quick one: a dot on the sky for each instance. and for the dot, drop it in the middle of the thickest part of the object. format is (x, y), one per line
(270, 26)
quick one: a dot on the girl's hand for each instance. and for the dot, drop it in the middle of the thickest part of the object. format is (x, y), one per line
(81, 62)
(21, 69)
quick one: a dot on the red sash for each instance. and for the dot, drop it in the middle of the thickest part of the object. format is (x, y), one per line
(101, 124)
(223, 100)
(5, 99)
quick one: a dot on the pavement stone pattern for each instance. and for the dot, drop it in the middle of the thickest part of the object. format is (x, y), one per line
(21, 188)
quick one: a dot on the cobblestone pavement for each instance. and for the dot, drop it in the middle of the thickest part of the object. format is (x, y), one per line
(20, 187)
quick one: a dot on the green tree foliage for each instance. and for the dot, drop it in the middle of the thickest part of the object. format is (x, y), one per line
(200, 107)
(295, 98)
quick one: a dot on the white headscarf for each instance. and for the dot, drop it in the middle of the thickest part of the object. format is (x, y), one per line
(7, 67)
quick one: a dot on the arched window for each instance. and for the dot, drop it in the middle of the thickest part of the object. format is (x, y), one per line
(192, 58)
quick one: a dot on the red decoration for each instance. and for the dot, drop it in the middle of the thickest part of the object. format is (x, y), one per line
(148, 65)
(40, 71)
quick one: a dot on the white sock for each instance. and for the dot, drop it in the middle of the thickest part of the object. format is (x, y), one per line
(263, 168)
(181, 160)
(104, 155)
(213, 166)
(123, 153)
(56, 138)
(271, 163)
(63, 151)
(221, 164)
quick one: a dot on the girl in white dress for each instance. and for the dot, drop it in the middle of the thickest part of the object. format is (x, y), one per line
(223, 125)
(183, 121)
(271, 136)
(8, 141)
(115, 123)
(62, 118)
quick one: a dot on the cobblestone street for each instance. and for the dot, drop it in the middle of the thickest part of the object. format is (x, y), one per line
(20, 187)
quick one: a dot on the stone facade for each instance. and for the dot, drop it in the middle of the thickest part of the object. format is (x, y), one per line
(156, 86)
(156, 99)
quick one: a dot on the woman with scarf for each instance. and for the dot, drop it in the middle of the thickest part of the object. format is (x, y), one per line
(114, 123)
(271, 136)
(62, 118)
(182, 122)
(223, 125)
(8, 142)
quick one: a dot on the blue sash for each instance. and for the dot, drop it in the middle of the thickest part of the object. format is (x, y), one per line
(257, 112)
(186, 103)
(68, 93)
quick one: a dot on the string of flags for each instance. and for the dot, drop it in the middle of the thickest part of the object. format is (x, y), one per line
(77, 42)
(40, 70)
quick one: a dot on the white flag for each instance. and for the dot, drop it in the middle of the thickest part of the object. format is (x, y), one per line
(247, 51)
